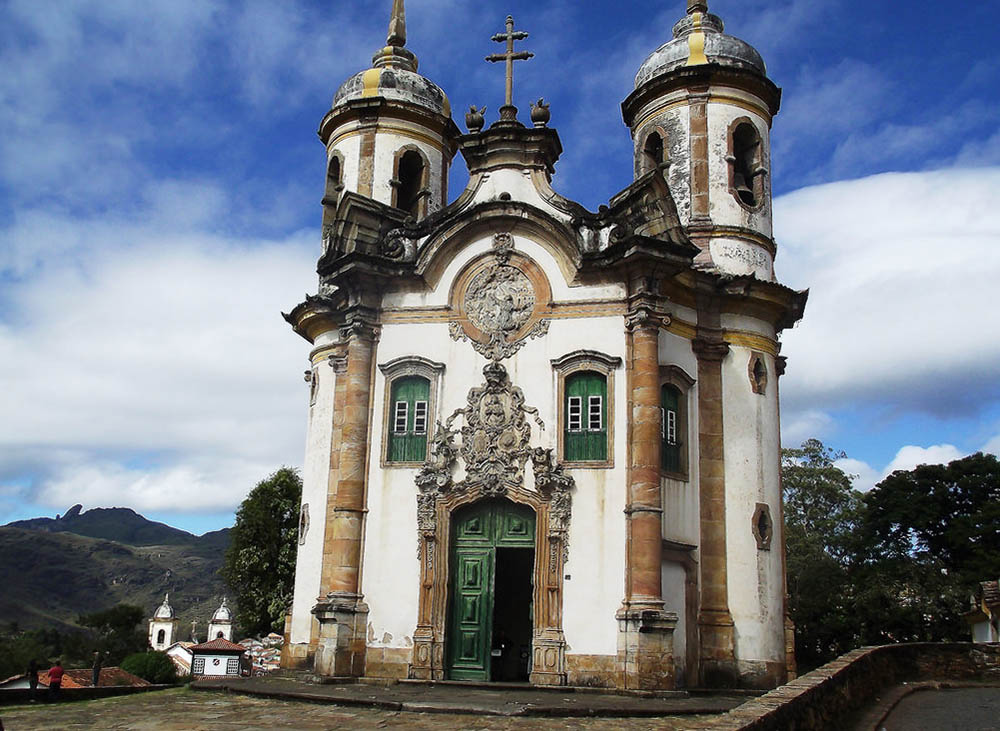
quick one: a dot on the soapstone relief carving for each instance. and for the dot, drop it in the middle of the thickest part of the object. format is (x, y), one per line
(499, 302)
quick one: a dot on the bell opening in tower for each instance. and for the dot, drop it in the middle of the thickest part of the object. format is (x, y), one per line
(512, 615)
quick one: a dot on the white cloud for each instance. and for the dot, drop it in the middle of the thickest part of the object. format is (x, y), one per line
(902, 270)
(797, 426)
(911, 456)
(152, 366)
(863, 476)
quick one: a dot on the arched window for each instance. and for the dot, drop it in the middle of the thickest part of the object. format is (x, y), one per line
(586, 414)
(409, 416)
(745, 160)
(675, 387)
(161, 636)
(652, 152)
(333, 174)
(586, 417)
(412, 385)
(220, 635)
(670, 436)
(410, 177)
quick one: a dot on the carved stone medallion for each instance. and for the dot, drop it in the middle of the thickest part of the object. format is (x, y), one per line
(500, 300)
(499, 303)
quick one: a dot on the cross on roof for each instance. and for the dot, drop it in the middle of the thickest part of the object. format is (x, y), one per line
(509, 111)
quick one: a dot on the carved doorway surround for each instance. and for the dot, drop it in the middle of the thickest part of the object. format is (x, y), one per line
(494, 449)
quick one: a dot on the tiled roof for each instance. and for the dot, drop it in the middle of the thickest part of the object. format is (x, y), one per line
(113, 676)
(220, 644)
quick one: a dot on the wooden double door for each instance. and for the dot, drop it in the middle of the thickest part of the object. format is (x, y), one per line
(491, 592)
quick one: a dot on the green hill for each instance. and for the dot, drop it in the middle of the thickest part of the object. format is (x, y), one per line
(53, 570)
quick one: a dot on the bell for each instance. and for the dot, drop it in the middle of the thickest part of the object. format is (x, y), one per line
(744, 191)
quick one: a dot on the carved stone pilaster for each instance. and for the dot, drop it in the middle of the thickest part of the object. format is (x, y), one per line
(646, 648)
(343, 622)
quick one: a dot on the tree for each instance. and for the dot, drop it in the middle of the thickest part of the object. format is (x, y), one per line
(117, 630)
(155, 667)
(260, 563)
(822, 517)
(932, 534)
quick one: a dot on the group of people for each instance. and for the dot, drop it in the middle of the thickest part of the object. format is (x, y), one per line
(56, 673)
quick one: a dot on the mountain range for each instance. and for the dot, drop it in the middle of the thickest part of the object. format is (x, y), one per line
(52, 570)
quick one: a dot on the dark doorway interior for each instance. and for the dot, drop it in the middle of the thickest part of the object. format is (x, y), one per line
(512, 614)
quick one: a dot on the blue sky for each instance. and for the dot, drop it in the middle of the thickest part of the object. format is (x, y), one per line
(160, 179)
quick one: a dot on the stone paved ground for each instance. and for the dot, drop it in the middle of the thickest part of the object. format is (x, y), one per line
(173, 710)
(960, 709)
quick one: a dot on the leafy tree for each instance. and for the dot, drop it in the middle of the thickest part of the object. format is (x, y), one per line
(822, 516)
(260, 563)
(950, 513)
(118, 630)
(931, 534)
(155, 667)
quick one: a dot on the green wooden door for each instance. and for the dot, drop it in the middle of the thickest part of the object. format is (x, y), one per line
(477, 532)
(408, 419)
(585, 417)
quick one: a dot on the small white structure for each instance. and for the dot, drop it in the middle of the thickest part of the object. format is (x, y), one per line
(984, 615)
(180, 655)
(216, 657)
(221, 624)
(163, 626)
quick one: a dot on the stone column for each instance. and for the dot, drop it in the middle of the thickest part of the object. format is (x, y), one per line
(645, 630)
(715, 623)
(342, 614)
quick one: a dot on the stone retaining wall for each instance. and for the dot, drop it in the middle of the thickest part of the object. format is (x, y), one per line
(820, 700)
(19, 696)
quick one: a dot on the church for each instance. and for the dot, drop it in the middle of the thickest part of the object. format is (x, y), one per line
(543, 442)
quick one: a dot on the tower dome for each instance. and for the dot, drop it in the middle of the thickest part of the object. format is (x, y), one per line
(407, 136)
(164, 611)
(700, 115)
(223, 613)
(698, 37)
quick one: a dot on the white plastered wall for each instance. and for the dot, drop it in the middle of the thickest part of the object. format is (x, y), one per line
(723, 206)
(391, 135)
(680, 497)
(315, 478)
(752, 463)
(391, 569)
(671, 116)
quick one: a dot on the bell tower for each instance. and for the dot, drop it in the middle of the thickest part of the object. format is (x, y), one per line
(389, 133)
(701, 114)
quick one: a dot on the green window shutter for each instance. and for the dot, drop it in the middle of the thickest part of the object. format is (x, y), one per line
(585, 417)
(408, 417)
(670, 446)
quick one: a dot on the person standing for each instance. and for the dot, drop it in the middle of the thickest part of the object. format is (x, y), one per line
(55, 678)
(33, 675)
(98, 661)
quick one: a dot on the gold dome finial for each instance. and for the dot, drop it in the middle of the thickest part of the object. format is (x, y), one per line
(397, 25)
(395, 54)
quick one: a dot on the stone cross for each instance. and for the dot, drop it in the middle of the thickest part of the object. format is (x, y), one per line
(509, 111)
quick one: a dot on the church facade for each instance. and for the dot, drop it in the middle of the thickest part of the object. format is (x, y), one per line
(543, 442)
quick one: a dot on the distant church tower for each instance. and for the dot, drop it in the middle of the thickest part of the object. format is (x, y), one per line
(163, 626)
(221, 624)
(543, 442)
